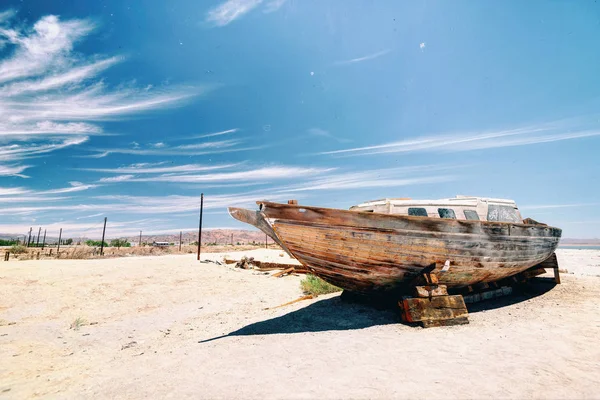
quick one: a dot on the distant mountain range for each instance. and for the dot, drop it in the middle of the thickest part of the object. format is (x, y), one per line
(219, 236)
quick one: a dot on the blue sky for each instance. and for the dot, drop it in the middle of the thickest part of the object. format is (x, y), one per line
(131, 109)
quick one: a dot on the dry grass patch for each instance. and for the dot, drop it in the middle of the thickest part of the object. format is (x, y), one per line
(315, 286)
(78, 323)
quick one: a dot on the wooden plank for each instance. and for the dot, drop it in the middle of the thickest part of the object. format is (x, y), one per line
(445, 322)
(434, 308)
(557, 276)
(284, 272)
(430, 291)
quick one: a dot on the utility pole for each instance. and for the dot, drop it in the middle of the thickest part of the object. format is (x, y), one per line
(200, 225)
(180, 234)
(59, 236)
(44, 241)
(102, 242)
(38, 239)
(232, 239)
(266, 241)
(29, 238)
(140, 244)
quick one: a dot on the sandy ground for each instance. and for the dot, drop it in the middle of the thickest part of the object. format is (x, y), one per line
(170, 327)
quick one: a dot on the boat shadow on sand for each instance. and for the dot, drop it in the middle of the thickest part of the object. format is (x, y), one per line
(335, 314)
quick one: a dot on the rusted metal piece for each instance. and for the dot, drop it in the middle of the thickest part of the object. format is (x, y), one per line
(365, 251)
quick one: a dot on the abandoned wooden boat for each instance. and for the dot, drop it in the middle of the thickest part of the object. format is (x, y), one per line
(385, 244)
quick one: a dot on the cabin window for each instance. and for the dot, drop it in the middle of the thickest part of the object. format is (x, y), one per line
(446, 213)
(417, 212)
(500, 213)
(471, 215)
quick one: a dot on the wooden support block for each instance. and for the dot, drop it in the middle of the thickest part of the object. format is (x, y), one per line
(434, 308)
(550, 262)
(430, 291)
(431, 279)
(446, 322)
(533, 272)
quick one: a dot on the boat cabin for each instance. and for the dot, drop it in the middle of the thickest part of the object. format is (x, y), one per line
(459, 207)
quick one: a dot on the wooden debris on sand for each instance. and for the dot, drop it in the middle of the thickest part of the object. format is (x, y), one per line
(251, 263)
(307, 297)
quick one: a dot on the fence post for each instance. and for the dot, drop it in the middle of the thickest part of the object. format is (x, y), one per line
(200, 225)
(59, 236)
(102, 242)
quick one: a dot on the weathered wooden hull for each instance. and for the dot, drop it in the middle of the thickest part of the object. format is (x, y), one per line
(366, 252)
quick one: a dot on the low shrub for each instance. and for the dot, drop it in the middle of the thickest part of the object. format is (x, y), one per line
(18, 249)
(315, 286)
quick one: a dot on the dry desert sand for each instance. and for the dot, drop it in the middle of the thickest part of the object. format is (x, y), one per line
(170, 327)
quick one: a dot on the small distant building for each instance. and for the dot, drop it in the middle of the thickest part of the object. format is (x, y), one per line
(160, 244)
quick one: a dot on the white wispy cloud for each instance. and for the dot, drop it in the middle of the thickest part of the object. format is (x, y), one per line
(4, 191)
(75, 187)
(118, 178)
(273, 5)
(20, 150)
(49, 91)
(90, 216)
(227, 12)
(553, 206)
(13, 170)
(324, 133)
(216, 133)
(231, 10)
(22, 195)
(28, 199)
(474, 141)
(383, 177)
(159, 168)
(260, 174)
(363, 58)
(197, 149)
